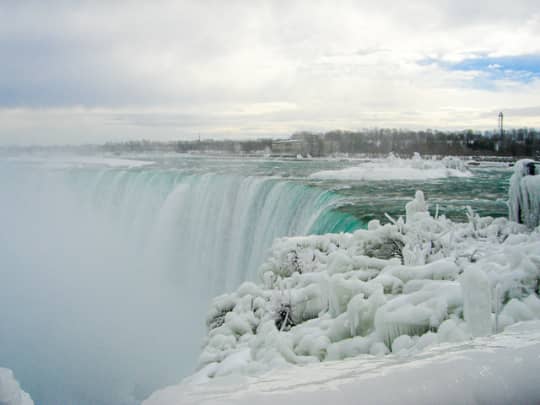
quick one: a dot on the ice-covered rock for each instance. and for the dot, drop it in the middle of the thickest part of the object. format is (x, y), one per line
(524, 193)
(10, 391)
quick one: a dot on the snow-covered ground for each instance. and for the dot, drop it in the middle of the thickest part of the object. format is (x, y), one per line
(416, 303)
(393, 168)
(10, 391)
(499, 369)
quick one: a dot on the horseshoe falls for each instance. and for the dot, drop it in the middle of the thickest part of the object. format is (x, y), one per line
(108, 266)
(107, 272)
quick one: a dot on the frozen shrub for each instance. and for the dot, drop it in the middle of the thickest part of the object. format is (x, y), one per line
(284, 317)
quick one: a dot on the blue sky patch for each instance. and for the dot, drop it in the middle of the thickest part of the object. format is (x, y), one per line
(523, 63)
(523, 68)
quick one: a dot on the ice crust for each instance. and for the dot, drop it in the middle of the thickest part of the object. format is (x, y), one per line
(394, 168)
(398, 287)
(10, 391)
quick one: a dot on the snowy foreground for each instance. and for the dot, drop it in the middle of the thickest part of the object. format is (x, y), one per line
(414, 306)
(10, 391)
(499, 369)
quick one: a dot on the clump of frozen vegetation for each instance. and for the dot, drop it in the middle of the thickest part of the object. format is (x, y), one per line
(395, 168)
(524, 201)
(398, 287)
(10, 391)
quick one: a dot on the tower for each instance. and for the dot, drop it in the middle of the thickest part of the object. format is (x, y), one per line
(501, 128)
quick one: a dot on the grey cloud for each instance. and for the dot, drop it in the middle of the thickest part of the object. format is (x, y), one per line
(338, 61)
(102, 53)
(113, 53)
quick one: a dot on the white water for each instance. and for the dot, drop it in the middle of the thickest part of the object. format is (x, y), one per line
(394, 168)
(106, 273)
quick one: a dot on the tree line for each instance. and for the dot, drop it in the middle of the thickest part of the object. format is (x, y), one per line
(514, 142)
(517, 142)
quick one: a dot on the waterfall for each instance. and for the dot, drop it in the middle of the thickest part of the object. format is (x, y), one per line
(214, 226)
(107, 272)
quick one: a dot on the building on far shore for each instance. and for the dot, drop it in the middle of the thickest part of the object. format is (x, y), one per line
(287, 147)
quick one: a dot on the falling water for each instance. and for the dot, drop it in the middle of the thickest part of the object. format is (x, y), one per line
(106, 272)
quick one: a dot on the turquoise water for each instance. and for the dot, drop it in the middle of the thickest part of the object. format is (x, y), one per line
(486, 192)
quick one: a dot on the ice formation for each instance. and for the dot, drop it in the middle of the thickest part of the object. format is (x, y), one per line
(524, 203)
(394, 168)
(398, 287)
(10, 391)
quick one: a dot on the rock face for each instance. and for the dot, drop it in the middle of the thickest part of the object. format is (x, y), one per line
(399, 287)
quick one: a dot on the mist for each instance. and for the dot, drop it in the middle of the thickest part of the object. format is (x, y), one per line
(107, 272)
(83, 314)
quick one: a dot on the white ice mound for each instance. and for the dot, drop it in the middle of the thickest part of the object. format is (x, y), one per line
(398, 287)
(524, 193)
(393, 168)
(10, 391)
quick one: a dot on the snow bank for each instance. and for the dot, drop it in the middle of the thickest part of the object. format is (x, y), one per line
(10, 391)
(524, 202)
(394, 168)
(499, 369)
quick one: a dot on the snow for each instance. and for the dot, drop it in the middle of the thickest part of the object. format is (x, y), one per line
(389, 292)
(498, 369)
(394, 168)
(10, 391)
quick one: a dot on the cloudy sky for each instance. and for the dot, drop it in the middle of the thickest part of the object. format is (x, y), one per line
(91, 71)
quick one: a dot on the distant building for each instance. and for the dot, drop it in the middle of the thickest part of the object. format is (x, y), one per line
(287, 147)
